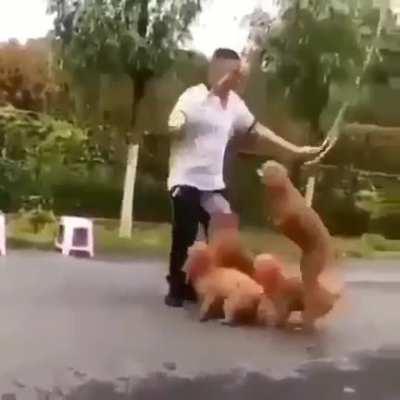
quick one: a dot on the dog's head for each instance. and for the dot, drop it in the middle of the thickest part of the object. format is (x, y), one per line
(199, 261)
(273, 174)
(269, 273)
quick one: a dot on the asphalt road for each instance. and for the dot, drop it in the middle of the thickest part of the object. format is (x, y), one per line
(97, 329)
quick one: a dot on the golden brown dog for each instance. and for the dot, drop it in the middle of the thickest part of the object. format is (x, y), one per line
(288, 294)
(303, 226)
(239, 294)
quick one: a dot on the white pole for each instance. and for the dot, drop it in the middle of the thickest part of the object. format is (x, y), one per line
(125, 228)
(310, 188)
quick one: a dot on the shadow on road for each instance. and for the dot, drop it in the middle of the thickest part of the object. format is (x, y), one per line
(367, 376)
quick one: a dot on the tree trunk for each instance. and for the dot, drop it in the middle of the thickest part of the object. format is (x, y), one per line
(139, 79)
(125, 227)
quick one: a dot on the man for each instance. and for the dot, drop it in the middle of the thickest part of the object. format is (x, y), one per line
(201, 123)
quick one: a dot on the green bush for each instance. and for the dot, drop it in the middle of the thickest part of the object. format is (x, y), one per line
(87, 199)
(151, 200)
(104, 200)
(338, 211)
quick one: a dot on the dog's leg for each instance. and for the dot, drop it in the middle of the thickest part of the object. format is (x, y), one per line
(205, 307)
(266, 312)
(238, 306)
(283, 313)
(230, 307)
(308, 322)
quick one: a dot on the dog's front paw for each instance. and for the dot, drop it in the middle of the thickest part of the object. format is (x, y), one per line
(203, 318)
(309, 327)
(280, 323)
(226, 322)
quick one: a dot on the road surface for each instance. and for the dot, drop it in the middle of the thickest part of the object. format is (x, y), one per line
(97, 329)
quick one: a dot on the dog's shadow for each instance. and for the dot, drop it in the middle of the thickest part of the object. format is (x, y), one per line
(215, 313)
(314, 340)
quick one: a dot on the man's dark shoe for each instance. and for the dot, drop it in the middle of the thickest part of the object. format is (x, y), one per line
(176, 294)
(190, 294)
(173, 301)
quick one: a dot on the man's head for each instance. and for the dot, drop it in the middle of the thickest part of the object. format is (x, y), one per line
(223, 62)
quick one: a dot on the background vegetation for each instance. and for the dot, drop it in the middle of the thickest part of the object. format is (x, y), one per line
(71, 105)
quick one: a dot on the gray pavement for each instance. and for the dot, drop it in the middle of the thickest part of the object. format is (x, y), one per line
(96, 329)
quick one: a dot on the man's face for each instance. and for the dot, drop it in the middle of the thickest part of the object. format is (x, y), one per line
(220, 67)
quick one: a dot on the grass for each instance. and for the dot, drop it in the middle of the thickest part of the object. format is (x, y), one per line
(147, 239)
(152, 239)
(378, 246)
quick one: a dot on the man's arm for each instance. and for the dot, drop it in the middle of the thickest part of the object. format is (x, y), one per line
(178, 117)
(265, 134)
(244, 119)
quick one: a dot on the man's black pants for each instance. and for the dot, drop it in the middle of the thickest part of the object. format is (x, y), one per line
(187, 213)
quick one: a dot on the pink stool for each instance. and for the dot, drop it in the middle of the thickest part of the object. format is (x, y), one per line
(75, 234)
(3, 234)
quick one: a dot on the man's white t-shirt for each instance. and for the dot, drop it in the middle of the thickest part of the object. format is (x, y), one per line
(197, 156)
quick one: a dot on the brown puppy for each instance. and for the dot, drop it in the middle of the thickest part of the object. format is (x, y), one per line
(302, 225)
(288, 294)
(239, 294)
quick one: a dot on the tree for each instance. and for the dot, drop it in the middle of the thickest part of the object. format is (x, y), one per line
(258, 23)
(33, 146)
(24, 75)
(41, 143)
(305, 55)
(138, 38)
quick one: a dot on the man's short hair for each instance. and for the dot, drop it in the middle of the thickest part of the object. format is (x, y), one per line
(226, 54)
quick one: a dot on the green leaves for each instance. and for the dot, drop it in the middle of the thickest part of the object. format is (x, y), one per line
(110, 36)
(312, 47)
(40, 142)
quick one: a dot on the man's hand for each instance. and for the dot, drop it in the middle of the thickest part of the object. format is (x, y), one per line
(309, 152)
(176, 123)
(229, 82)
(305, 153)
(177, 120)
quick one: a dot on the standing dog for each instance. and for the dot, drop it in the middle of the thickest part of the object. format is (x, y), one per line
(303, 226)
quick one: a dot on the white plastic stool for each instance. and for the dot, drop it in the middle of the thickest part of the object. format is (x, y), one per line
(3, 235)
(75, 234)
